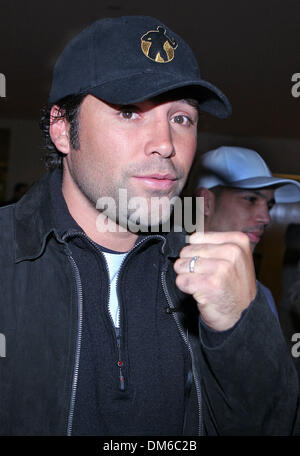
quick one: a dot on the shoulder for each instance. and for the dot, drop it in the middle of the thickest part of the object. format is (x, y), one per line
(268, 294)
(7, 231)
(266, 291)
(6, 219)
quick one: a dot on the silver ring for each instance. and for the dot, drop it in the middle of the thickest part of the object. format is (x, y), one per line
(192, 263)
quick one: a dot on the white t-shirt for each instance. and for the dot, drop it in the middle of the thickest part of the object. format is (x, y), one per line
(114, 261)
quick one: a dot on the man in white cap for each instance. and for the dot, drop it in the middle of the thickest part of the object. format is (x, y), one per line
(239, 192)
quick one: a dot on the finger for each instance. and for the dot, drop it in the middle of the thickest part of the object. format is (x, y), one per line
(229, 251)
(202, 266)
(198, 285)
(220, 237)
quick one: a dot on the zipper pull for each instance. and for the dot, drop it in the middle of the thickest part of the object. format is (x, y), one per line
(122, 380)
(170, 310)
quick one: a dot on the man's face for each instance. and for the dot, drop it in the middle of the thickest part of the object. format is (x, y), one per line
(242, 210)
(146, 148)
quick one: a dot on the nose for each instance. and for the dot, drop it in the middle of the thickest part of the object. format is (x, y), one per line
(160, 139)
(263, 214)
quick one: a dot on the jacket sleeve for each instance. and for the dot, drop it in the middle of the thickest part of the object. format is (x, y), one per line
(249, 383)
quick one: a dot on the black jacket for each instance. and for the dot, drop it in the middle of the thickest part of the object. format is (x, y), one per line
(243, 380)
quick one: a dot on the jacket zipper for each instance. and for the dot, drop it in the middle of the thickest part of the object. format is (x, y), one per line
(78, 345)
(120, 362)
(117, 338)
(185, 338)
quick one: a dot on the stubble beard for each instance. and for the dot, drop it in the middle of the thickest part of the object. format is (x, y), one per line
(150, 212)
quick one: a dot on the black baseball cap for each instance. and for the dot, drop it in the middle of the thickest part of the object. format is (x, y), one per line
(130, 59)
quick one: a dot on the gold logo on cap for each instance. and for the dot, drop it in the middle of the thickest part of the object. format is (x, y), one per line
(157, 46)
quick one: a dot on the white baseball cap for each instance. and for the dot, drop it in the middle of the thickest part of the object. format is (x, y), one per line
(244, 168)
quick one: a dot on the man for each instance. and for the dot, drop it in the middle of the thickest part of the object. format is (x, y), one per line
(101, 326)
(239, 191)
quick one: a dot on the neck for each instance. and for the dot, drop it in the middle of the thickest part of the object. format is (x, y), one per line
(89, 219)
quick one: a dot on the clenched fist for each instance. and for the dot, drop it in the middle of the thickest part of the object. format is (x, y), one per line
(223, 282)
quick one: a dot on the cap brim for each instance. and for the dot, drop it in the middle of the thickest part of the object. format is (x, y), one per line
(143, 86)
(288, 192)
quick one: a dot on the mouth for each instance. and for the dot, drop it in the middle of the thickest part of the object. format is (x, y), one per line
(157, 180)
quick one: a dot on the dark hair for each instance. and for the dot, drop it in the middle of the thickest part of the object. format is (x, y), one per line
(69, 110)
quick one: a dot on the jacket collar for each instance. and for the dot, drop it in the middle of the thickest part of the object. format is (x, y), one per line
(34, 219)
(42, 212)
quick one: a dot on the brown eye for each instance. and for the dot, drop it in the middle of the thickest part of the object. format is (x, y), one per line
(182, 120)
(127, 114)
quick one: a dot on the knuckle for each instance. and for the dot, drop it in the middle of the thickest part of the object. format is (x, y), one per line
(197, 237)
(243, 239)
(224, 267)
(233, 250)
(177, 264)
(184, 252)
(216, 281)
(182, 281)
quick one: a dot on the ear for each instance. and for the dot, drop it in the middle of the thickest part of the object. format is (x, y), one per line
(59, 130)
(209, 200)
